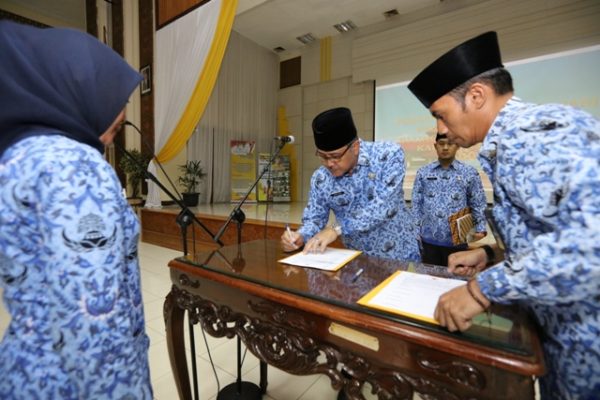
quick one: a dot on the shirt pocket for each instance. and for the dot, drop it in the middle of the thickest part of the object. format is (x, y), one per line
(340, 199)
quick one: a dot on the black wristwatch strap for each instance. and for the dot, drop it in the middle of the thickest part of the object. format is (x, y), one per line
(491, 256)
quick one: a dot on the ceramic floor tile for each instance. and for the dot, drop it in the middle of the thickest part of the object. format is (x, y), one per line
(158, 324)
(264, 397)
(155, 284)
(281, 385)
(158, 253)
(158, 268)
(320, 390)
(156, 336)
(148, 297)
(165, 389)
(154, 309)
(225, 356)
(201, 345)
(158, 357)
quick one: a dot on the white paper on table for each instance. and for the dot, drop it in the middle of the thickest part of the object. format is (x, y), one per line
(410, 294)
(330, 260)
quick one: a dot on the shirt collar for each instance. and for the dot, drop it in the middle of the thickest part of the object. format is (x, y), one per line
(363, 159)
(436, 164)
(490, 142)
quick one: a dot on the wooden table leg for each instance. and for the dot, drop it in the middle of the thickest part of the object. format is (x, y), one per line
(263, 377)
(173, 316)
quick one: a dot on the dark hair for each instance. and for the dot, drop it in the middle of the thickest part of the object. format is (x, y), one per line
(498, 78)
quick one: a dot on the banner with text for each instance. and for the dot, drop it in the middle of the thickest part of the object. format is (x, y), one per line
(243, 169)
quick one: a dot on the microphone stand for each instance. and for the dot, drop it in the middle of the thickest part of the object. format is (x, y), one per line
(186, 216)
(184, 219)
(240, 389)
(237, 214)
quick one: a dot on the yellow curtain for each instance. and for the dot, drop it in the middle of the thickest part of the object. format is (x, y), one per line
(204, 85)
(326, 59)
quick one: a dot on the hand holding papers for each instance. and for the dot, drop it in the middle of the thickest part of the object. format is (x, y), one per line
(416, 296)
(330, 260)
(410, 294)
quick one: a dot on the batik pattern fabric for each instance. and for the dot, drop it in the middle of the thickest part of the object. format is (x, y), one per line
(440, 192)
(544, 163)
(70, 275)
(368, 204)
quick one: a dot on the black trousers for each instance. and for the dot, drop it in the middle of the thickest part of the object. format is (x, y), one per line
(438, 255)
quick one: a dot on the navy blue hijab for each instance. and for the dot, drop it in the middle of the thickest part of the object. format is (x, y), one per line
(59, 81)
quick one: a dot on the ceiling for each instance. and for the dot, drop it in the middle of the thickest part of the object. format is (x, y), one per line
(277, 23)
(52, 12)
(270, 23)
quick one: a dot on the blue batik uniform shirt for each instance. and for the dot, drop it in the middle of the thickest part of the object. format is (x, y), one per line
(70, 274)
(544, 163)
(440, 192)
(368, 204)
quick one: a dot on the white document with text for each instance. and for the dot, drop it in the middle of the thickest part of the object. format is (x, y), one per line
(410, 294)
(330, 260)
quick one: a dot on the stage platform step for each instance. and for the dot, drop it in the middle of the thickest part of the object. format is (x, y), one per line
(159, 226)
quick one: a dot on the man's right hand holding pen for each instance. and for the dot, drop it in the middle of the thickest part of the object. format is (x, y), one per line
(291, 241)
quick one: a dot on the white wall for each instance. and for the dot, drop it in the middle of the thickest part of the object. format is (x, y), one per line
(526, 28)
(398, 49)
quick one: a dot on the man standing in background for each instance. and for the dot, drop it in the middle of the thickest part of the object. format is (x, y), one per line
(442, 189)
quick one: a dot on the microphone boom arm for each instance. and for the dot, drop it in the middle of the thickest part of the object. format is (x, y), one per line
(237, 212)
(185, 213)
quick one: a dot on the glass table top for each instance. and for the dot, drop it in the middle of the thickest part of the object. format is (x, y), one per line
(257, 261)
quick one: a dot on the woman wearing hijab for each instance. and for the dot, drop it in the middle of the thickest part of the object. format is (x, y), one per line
(68, 238)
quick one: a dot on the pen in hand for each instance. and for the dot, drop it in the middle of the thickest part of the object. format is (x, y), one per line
(357, 275)
(290, 237)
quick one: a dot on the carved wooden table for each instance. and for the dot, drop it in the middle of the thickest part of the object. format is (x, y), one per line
(306, 321)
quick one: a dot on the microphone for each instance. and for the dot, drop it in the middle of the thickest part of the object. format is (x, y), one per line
(285, 139)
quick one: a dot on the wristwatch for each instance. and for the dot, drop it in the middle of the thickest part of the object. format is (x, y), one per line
(337, 228)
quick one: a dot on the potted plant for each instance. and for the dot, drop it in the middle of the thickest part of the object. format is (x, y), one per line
(192, 174)
(135, 170)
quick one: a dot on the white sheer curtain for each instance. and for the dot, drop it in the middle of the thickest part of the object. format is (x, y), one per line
(182, 48)
(243, 106)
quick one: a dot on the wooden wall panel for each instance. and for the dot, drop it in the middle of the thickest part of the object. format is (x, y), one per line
(169, 10)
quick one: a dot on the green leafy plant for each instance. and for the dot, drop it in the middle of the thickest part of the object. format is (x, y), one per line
(192, 174)
(135, 170)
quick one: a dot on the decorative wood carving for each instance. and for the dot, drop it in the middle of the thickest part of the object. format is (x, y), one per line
(169, 10)
(184, 280)
(458, 371)
(281, 315)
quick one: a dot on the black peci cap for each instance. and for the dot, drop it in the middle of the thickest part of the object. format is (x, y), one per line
(469, 59)
(333, 129)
